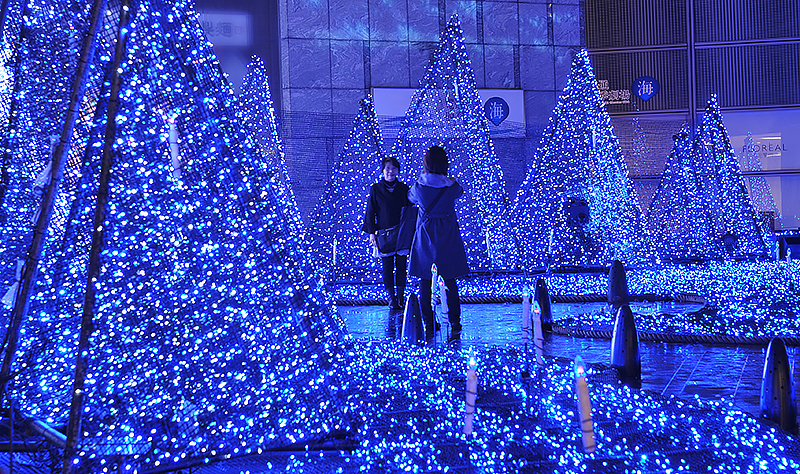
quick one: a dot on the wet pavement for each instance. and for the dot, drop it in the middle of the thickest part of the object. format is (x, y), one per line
(711, 372)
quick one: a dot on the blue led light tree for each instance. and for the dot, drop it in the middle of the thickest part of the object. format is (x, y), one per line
(760, 193)
(640, 149)
(680, 217)
(576, 205)
(339, 213)
(209, 334)
(41, 53)
(258, 116)
(641, 153)
(736, 224)
(447, 111)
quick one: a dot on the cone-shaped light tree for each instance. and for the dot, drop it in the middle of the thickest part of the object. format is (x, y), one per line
(641, 153)
(760, 193)
(447, 111)
(339, 214)
(736, 223)
(190, 303)
(576, 205)
(680, 216)
(258, 116)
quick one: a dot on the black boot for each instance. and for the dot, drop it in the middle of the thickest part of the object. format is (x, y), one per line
(400, 297)
(392, 299)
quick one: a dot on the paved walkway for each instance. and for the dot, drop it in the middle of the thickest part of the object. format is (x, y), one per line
(684, 370)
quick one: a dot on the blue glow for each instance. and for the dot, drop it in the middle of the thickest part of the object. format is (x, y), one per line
(576, 205)
(213, 335)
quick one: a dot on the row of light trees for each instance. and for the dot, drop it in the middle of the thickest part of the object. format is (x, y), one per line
(576, 205)
(160, 297)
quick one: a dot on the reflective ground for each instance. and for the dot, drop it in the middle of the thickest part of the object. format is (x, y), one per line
(732, 373)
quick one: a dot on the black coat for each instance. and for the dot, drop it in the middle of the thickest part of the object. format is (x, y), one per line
(384, 205)
(438, 237)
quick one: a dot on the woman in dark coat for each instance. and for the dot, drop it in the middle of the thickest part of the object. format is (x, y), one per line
(387, 198)
(438, 238)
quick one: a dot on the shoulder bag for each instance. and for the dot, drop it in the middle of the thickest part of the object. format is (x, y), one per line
(399, 237)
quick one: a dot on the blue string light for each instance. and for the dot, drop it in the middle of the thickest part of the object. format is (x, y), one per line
(743, 299)
(256, 112)
(447, 111)
(738, 225)
(339, 214)
(212, 335)
(214, 338)
(576, 205)
(701, 209)
(412, 402)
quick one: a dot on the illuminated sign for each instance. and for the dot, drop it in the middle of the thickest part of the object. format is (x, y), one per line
(504, 110)
(496, 110)
(613, 97)
(227, 28)
(645, 87)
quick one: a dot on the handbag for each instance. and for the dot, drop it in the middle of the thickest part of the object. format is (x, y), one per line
(398, 237)
(386, 239)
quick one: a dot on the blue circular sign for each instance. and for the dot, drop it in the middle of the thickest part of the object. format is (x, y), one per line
(496, 110)
(645, 87)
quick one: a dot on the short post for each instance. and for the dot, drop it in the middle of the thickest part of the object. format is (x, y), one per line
(412, 330)
(434, 293)
(443, 295)
(434, 282)
(625, 348)
(584, 406)
(617, 286)
(542, 297)
(777, 391)
(526, 315)
(538, 335)
(472, 391)
(526, 334)
(174, 147)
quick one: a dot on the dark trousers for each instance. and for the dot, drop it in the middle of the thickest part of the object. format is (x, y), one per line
(392, 279)
(453, 304)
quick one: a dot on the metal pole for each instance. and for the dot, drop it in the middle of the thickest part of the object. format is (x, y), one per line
(30, 271)
(87, 325)
(11, 438)
(691, 66)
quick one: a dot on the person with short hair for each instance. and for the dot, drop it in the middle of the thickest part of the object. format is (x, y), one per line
(438, 238)
(387, 198)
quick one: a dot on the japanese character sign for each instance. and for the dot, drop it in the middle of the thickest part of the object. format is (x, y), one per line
(496, 110)
(645, 87)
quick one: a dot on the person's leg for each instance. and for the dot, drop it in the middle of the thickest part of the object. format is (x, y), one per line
(453, 305)
(388, 280)
(425, 307)
(400, 279)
